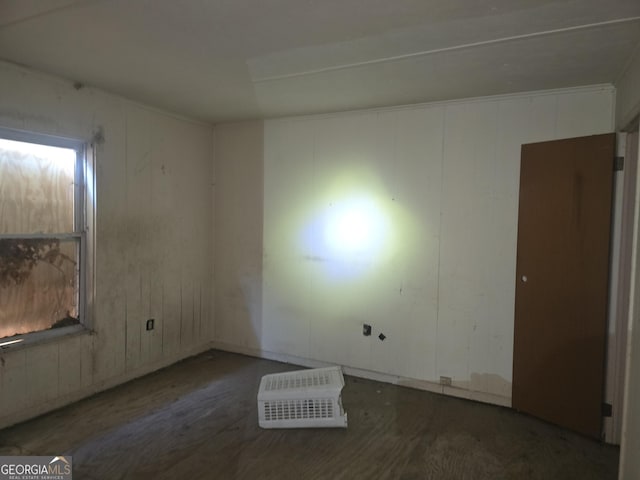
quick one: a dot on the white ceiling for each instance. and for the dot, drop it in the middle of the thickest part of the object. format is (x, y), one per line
(227, 60)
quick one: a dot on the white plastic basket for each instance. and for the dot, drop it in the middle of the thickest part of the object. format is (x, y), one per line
(302, 399)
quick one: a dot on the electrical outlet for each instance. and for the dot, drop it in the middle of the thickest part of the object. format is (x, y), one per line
(446, 381)
(150, 323)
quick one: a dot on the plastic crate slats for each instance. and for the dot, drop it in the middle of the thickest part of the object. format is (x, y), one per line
(305, 398)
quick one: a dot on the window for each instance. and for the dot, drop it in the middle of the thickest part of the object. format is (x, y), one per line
(43, 226)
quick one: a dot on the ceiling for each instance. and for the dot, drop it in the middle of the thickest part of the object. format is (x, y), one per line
(229, 60)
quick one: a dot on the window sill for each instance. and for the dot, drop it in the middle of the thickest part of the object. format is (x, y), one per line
(38, 338)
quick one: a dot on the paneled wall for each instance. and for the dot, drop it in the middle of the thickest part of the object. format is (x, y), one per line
(153, 237)
(238, 247)
(404, 219)
(628, 93)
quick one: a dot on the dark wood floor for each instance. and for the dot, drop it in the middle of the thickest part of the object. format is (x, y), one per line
(198, 419)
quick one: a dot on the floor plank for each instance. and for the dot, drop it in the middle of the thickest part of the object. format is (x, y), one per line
(198, 419)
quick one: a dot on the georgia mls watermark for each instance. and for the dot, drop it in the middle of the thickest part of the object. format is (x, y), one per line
(36, 468)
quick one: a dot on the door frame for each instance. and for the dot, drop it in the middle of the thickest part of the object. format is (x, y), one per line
(620, 284)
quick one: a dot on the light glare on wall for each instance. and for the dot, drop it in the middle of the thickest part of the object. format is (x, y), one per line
(354, 227)
(349, 229)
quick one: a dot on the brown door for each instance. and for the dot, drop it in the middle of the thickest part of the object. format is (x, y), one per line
(562, 278)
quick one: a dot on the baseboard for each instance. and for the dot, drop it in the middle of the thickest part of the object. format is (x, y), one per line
(369, 374)
(37, 410)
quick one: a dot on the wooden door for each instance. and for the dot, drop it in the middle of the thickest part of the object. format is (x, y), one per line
(562, 281)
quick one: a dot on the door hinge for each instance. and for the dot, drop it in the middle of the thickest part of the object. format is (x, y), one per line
(618, 164)
(607, 410)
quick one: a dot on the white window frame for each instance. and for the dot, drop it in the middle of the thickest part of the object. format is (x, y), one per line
(84, 188)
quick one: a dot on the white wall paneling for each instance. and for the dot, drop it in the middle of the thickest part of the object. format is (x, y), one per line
(437, 276)
(238, 241)
(628, 92)
(153, 243)
(428, 194)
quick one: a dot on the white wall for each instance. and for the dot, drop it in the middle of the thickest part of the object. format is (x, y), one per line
(441, 287)
(238, 245)
(153, 243)
(628, 92)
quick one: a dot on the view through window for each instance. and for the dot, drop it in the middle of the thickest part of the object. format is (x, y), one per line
(41, 233)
